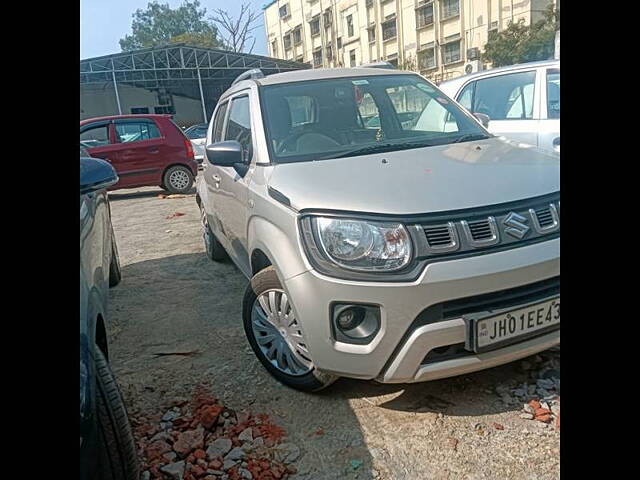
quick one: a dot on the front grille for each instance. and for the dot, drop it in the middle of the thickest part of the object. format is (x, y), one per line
(544, 216)
(480, 230)
(438, 236)
(486, 229)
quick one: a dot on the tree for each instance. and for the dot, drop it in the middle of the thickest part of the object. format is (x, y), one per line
(237, 31)
(520, 43)
(160, 25)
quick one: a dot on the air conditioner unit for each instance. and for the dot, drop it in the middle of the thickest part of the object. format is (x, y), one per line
(473, 66)
(473, 53)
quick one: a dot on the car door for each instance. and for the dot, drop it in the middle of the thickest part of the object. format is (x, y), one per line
(509, 101)
(139, 158)
(98, 138)
(549, 129)
(228, 188)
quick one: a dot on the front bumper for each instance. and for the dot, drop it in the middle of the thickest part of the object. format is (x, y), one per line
(397, 353)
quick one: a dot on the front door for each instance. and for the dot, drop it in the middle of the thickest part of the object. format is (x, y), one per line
(228, 188)
(139, 158)
(508, 100)
(97, 138)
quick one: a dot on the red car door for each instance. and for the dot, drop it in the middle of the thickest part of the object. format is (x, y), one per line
(97, 137)
(139, 158)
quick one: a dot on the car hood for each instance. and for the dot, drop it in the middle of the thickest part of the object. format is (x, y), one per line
(424, 180)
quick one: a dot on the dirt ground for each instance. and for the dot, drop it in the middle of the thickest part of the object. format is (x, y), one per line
(173, 299)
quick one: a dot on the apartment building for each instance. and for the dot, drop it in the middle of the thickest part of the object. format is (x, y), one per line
(441, 39)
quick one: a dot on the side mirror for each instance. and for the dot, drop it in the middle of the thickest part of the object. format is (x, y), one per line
(483, 119)
(96, 174)
(224, 154)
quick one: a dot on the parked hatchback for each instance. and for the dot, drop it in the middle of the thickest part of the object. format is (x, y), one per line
(402, 253)
(521, 101)
(145, 150)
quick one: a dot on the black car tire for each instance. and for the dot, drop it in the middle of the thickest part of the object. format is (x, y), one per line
(115, 274)
(313, 381)
(214, 249)
(184, 173)
(117, 459)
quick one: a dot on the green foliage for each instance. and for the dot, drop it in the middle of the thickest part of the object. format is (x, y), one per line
(160, 25)
(520, 43)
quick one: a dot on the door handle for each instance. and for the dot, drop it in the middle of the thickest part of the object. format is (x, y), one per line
(154, 150)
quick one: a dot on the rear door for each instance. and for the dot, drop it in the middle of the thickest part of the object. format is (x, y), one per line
(549, 136)
(140, 158)
(509, 101)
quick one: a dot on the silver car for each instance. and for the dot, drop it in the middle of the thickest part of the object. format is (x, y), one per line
(391, 250)
(197, 134)
(521, 101)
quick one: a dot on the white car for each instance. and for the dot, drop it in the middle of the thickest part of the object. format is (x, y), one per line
(521, 101)
(198, 135)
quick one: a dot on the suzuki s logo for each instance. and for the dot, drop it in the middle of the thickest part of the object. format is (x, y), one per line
(515, 225)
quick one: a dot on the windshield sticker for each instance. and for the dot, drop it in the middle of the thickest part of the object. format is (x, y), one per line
(360, 82)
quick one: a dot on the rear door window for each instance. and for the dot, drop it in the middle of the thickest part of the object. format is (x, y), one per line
(136, 131)
(505, 97)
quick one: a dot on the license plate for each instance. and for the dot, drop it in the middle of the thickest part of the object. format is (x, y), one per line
(492, 331)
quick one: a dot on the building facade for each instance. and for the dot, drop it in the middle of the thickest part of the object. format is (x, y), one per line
(441, 39)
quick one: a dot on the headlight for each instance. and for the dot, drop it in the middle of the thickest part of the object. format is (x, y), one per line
(364, 246)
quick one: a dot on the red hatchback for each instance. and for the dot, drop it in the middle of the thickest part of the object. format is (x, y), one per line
(145, 150)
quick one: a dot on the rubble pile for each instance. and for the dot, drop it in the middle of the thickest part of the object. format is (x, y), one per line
(203, 439)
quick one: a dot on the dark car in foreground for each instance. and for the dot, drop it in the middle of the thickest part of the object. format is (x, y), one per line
(107, 449)
(145, 150)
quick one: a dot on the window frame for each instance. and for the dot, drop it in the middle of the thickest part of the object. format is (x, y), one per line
(232, 98)
(311, 22)
(222, 104)
(536, 111)
(98, 124)
(441, 8)
(395, 24)
(545, 101)
(123, 121)
(422, 7)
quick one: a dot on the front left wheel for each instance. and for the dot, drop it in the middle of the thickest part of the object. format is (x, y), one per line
(276, 335)
(117, 459)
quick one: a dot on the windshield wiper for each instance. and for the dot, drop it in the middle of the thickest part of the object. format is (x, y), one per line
(381, 148)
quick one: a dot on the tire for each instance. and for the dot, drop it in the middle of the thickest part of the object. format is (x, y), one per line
(117, 459)
(308, 378)
(214, 249)
(177, 179)
(115, 274)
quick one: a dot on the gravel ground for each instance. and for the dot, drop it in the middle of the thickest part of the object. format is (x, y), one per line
(174, 301)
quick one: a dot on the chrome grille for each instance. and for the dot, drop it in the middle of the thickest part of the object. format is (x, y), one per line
(544, 216)
(491, 227)
(480, 230)
(438, 236)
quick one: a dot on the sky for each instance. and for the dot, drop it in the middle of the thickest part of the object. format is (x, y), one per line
(104, 22)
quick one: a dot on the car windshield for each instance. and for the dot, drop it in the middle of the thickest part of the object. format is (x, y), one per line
(342, 117)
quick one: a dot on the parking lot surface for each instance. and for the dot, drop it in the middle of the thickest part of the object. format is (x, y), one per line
(175, 323)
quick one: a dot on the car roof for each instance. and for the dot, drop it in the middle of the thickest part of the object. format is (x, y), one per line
(116, 117)
(326, 73)
(520, 66)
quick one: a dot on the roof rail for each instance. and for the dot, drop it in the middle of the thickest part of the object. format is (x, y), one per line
(377, 65)
(249, 74)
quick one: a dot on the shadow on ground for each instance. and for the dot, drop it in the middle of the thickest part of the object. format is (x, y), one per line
(128, 194)
(186, 303)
